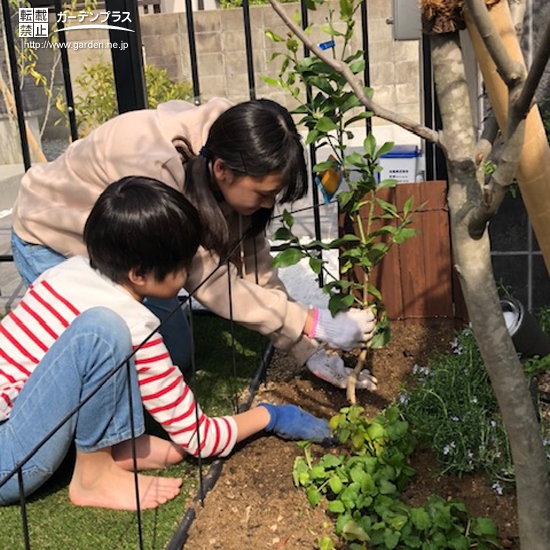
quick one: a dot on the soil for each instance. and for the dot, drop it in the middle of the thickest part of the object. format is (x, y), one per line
(254, 503)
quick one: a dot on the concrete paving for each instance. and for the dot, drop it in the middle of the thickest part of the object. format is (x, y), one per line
(11, 287)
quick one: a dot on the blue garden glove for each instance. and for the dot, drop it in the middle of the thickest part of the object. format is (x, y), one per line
(291, 422)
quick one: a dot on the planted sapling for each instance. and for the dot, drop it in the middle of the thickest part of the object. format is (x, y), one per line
(372, 224)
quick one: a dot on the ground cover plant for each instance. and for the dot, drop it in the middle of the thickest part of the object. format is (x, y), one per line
(363, 486)
(55, 524)
(452, 409)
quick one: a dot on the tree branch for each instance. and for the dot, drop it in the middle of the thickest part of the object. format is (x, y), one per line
(523, 104)
(355, 84)
(510, 70)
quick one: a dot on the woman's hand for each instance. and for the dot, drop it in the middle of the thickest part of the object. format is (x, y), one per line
(346, 330)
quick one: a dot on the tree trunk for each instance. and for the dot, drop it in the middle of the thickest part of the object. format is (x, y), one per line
(473, 264)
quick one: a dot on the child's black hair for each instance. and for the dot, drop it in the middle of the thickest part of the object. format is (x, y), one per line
(140, 223)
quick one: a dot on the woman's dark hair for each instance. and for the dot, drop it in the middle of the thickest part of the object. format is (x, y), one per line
(256, 138)
(140, 223)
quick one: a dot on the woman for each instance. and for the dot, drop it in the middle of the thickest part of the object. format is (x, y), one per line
(250, 154)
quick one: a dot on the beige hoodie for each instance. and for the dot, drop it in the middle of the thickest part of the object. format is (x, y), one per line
(55, 199)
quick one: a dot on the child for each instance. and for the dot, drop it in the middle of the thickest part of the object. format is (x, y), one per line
(76, 324)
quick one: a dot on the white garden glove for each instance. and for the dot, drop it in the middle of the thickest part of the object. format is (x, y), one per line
(346, 330)
(331, 369)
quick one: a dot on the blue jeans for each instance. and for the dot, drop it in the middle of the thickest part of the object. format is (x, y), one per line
(32, 260)
(90, 349)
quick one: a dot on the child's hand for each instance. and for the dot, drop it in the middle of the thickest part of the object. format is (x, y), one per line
(291, 422)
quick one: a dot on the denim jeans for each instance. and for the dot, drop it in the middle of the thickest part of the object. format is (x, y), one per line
(90, 349)
(32, 260)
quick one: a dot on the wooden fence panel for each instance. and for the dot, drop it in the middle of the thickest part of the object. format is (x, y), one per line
(416, 277)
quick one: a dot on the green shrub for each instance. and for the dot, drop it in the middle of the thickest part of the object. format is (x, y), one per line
(362, 488)
(97, 103)
(452, 409)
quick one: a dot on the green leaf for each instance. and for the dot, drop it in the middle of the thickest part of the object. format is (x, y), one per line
(387, 487)
(336, 507)
(397, 430)
(314, 496)
(335, 484)
(338, 302)
(325, 125)
(288, 257)
(345, 239)
(403, 234)
(346, 9)
(283, 234)
(376, 431)
(288, 218)
(271, 81)
(387, 207)
(324, 166)
(407, 207)
(356, 159)
(484, 527)
(387, 184)
(349, 495)
(274, 37)
(316, 265)
(356, 118)
(353, 531)
(325, 543)
(459, 543)
(369, 144)
(385, 148)
(420, 518)
(312, 137)
(317, 472)
(330, 461)
(391, 539)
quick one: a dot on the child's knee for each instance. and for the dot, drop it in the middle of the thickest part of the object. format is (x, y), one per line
(108, 325)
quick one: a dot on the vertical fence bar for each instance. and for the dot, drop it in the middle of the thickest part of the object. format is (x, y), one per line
(14, 72)
(366, 56)
(192, 51)
(312, 154)
(134, 454)
(66, 73)
(130, 86)
(248, 44)
(23, 508)
(232, 331)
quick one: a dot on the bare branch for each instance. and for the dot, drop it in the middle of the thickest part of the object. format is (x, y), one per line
(517, 11)
(523, 104)
(355, 84)
(510, 70)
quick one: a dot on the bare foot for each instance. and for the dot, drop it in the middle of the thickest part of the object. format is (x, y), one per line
(152, 452)
(98, 481)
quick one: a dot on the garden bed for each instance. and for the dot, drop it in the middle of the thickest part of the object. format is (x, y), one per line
(254, 504)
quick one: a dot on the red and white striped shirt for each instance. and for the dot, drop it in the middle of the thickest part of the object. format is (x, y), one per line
(54, 300)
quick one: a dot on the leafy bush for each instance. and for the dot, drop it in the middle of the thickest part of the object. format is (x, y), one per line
(362, 488)
(452, 409)
(97, 103)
